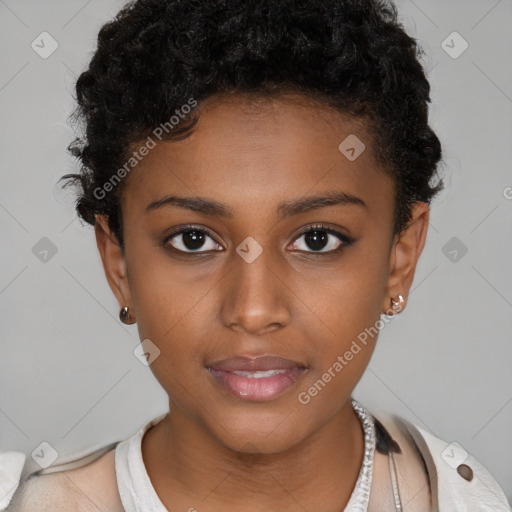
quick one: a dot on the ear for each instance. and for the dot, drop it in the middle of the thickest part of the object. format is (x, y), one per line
(114, 262)
(405, 253)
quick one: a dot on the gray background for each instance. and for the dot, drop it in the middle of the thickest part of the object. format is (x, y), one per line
(68, 374)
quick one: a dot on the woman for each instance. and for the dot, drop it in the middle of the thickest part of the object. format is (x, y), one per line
(259, 177)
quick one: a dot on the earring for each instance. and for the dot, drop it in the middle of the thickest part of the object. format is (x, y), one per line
(125, 317)
(398, 304)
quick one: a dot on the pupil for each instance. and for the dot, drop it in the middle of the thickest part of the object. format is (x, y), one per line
(193, 239)
(318, 241)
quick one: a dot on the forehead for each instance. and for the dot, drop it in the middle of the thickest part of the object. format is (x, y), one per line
(254, 151)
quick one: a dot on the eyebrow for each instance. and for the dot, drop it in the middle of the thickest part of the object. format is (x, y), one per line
(286, 209)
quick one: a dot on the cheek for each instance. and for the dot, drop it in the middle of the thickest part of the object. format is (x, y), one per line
(345, 311)
(168, 301)
(166, 295)
(343, 334)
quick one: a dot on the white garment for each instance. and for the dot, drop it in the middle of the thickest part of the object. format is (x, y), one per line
(450, 491)
(135, 488)
(453, 493)
(11, 465)
(134, 485)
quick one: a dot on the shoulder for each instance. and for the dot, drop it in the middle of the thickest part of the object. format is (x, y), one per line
(455, 477)
(85, 478)
(395, 446)
(88, 485)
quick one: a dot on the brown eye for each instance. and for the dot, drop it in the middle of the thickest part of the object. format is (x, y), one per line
(192, 240)
(320, 239)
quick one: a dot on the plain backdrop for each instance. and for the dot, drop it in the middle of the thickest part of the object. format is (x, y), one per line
(68, 374)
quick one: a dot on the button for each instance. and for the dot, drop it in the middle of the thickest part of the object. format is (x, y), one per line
(465, 472)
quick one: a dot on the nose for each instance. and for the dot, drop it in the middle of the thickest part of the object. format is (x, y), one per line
(256, 297)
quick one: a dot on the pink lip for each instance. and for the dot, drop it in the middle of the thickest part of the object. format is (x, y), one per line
(259, 363)
(256, 388)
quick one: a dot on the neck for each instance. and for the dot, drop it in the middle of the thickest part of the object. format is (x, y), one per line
(190, 469)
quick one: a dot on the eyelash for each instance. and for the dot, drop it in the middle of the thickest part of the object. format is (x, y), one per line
(346, 240)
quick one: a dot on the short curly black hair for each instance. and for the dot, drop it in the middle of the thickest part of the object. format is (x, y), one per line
(156, 55)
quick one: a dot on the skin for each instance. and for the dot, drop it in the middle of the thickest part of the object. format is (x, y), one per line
(215, 451)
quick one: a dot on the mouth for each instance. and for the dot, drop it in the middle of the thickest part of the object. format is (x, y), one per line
(259, 378)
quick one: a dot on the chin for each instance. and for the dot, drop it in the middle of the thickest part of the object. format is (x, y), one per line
(259, 433)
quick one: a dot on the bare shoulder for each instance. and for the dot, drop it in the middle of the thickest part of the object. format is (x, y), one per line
(92, 487)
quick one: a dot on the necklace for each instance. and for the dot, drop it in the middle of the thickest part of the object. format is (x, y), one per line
(360, 497)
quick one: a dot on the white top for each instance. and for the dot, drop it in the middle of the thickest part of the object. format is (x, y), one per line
(135, 488)
(450, 490)
(482, 494)
(11, 465)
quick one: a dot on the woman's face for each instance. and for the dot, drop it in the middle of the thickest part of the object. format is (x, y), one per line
(248, 281)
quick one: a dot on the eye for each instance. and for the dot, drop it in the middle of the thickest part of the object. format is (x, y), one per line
(190, 239)
(318, 239)
(321, 239)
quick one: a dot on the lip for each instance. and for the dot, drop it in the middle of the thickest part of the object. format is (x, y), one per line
(262, 362)
(280, 374)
